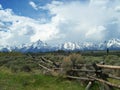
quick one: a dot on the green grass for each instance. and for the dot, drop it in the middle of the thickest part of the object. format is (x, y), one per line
(14, 74)
(31, 81)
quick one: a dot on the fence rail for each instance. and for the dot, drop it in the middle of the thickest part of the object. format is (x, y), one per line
(95, 74)
(108, 66)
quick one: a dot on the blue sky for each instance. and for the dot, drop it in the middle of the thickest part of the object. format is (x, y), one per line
(58, 21)
(22, 7)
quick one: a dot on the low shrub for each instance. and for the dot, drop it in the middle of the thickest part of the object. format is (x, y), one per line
(70, 62)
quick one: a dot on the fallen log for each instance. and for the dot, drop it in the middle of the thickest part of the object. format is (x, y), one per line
(83, 65)
(51, 62)
(105, 82)
(108, 66)
(46, 60)
(80, 78)
(45, 68)
(114, 77)
(58, 68)
(52, 72)
(84, 70)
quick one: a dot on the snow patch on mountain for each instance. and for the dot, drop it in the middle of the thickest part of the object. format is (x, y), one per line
(39, 46)
(113, 43)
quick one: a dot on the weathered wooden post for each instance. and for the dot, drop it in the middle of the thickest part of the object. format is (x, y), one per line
(89, 85)
(101, 75)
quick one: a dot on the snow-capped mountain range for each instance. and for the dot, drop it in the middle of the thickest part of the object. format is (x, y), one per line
(39, 46)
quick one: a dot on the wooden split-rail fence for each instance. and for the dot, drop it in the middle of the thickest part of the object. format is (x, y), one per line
(96, 74)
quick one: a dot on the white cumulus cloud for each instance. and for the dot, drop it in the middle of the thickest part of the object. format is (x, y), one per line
(87, 22)
(97, 20)
(33, 5)
(16, 30)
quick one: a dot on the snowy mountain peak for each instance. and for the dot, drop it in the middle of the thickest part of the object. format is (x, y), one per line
(70, 46)
(113, 43)
(39, 46)
(39, 43)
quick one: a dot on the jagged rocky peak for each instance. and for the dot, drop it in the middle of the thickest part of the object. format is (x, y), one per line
(38, 43)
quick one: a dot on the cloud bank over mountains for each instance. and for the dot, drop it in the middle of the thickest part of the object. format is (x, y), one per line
(94, 20)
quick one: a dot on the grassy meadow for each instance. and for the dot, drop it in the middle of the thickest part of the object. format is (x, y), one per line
(21, 71)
